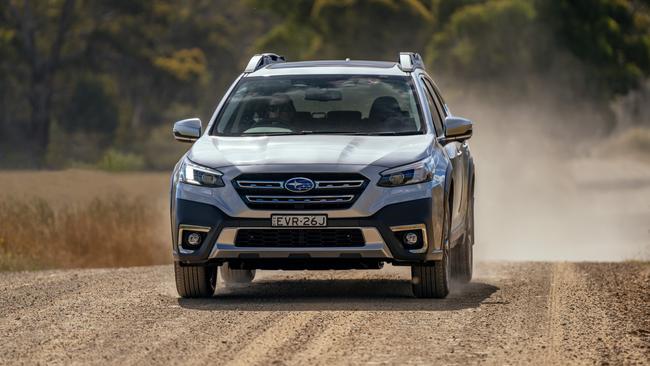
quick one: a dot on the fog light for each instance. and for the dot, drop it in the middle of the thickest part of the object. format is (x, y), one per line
(195, 239)
(411, 238)
(191, 237)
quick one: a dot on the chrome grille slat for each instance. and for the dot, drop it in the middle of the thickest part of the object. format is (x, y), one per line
(300, 199)
(260, 184)
(320, 184)
(333, 184)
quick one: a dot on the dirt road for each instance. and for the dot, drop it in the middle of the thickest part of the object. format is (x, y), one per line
(513, 313)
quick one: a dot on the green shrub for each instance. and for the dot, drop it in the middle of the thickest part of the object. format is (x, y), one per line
(116, 161)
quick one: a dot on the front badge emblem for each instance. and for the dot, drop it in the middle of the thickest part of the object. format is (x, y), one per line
(299, 184)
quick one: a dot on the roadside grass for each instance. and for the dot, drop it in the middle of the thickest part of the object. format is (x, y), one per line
(82, 219)
(105, 232)
(633, 142)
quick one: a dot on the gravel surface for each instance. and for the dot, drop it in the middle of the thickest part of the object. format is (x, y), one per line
(512, 313)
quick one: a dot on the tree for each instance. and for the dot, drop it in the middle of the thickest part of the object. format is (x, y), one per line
(337, 29)
(89, 66)
(41, 35)
(490, 40)
(611, 38)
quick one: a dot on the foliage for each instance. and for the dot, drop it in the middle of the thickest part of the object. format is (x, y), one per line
(110, 67)
(116, 161)
(92, 106)
(90, 75)
(183, 64)
(487, 40)
(358, 29)
(159, 149)
(612, 38)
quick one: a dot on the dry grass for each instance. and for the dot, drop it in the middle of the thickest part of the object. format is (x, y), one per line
(91, 227)
(633, 142)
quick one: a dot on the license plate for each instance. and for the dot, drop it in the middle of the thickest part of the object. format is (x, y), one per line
(298, 220)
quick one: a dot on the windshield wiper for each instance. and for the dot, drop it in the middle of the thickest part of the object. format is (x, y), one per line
(270, 134)
(361, 133)
(330, 133)
(395, 133)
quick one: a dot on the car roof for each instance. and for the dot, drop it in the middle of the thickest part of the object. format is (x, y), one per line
(330, 67)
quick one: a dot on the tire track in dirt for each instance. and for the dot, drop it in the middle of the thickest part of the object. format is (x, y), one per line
(260, 346)
(324, 339)
(572, 304)
(516, 313)
(302, 336)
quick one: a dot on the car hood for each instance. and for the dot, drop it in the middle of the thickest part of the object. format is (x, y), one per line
(387, 151)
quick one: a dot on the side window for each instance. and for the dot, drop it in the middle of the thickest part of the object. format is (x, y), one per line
(439, 103)
(442, 101)
(435, 113)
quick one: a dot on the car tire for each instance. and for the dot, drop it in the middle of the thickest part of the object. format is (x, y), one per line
(462, 262)
(431, 280)
(195, 281)
(229, 275)
(463, 252)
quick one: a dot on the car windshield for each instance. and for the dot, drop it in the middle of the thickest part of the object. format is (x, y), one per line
(321, 104)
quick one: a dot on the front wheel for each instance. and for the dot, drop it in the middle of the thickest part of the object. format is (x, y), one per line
(431, 280)
(195, 281)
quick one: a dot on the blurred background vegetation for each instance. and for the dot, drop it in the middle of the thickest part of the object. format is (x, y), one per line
(98, 83)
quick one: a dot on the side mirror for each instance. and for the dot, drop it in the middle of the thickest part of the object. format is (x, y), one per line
(457, 129)
(187, 130)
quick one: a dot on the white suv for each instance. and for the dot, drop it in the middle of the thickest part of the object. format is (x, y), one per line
(325, 165)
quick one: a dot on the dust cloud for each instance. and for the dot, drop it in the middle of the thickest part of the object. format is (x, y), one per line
(542, 193)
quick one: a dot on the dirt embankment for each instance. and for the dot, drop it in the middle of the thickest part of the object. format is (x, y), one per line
(513, 313)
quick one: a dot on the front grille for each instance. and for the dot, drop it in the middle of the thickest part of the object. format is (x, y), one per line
(331, 190)
(294, 200)
(299, 238)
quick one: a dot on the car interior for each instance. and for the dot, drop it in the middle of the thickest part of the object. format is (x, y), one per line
(265, 115)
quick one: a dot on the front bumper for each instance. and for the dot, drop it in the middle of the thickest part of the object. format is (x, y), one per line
(380, 242)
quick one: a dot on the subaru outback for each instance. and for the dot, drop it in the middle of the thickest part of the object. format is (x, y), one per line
(325, 165)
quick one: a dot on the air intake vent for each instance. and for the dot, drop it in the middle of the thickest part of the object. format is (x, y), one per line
(299, 238)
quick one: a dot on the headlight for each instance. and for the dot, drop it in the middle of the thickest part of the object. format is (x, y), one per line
(195, 174)
(418, 172)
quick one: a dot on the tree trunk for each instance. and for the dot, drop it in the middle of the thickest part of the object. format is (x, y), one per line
(40, 97)
(44, 66)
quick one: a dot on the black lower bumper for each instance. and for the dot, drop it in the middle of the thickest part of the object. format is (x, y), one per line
(406, 213)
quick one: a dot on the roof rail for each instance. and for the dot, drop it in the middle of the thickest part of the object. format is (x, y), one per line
(409, 61)
(262, 59)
